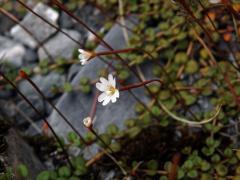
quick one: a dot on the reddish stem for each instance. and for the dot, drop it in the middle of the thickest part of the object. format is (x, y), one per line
(132, 86)
(186, 7)
(25, 76)
(174, 167)
(115, 51)
(94, 106)
(227, 4)
(232, 90)
(40, 114)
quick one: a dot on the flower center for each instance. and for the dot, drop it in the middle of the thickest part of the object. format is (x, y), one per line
(110, 91)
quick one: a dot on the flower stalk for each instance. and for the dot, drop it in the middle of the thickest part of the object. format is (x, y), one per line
(40, 114)
(165, 109)
(115, 51)
(25, 76)
(137, 85)
(86, 56)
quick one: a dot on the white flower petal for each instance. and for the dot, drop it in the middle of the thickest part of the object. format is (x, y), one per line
(113, 99)
(101, 86)
(102, 97)
(104, 81)
(106, 100)
(81, 51)
(111, 80)
(84, 62)
(116, 93)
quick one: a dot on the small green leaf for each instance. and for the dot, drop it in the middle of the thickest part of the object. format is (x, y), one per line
(84, 81)
(215, 158)
(123, 74)
(221, 170)
(112, 129)
(106, 139)
(64, 171)
(156, 110)
(129, 123)
(181, 58)
(67, 87)
(192, 174)
(191, 67)
(152, 166)
(72, 136)
(205, 166)
(44, 175)
(134, 131)
(23, 171)
(228, 152)
(116, 147)
(86, 89)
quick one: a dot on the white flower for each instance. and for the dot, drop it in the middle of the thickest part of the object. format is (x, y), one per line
(214, 1)
(87, 122)
(108, 87)
(84, 56)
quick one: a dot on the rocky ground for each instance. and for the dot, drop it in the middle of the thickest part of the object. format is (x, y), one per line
(44, 45)
(19, 49)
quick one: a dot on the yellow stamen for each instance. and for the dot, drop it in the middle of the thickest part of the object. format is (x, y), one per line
(111, 90)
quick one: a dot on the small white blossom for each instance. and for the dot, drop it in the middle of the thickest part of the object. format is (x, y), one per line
(109, 90)
(87, 122)
(214, 1)
(84, 56)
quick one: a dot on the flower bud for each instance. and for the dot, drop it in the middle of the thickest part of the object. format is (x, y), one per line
(87, 122)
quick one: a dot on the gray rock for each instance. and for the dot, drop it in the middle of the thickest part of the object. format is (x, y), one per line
(5, 24)
(7, 108)
(73, 70)
(36, 26)
(27, 112)
(34, 129)
(5, 94)
(43, 82)
(11, 51)
(30, 56)
(60, 45)
(92, 17)
(19, 152)
(76, 105)
(65, 21)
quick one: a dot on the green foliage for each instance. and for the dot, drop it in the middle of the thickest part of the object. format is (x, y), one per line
(23, 171)
(172, 43)
(67, 87)
(64, 171)
(44, 175)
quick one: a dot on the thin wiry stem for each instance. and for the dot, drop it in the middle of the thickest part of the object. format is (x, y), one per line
(14, 19)
(100, 139)
(49, 23)
(40, 114)
(62, 7)
(175, 93)
(189, 11)
(165, 109)
(24, 75)
(82, 23)
(216, 30)
(52, 25)
(137, 85)
(183, 120)
(94, 106)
